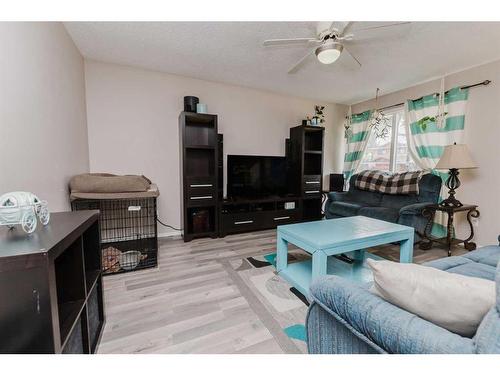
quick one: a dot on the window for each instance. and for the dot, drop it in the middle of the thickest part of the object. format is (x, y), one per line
(391, 153)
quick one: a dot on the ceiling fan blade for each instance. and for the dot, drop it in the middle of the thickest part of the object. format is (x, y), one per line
(281, 42)
(336, 26)
(346, 28)
(381, 26)
(340, 28)
(300, 63)
(353, 57)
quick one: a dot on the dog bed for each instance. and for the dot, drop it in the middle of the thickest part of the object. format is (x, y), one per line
(110, 186)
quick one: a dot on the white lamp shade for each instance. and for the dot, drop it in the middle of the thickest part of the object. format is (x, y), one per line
(329, 52)
(328, 56)
(456, 157)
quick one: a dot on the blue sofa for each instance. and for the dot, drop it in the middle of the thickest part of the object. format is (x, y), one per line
(401, 209)
(346, 318)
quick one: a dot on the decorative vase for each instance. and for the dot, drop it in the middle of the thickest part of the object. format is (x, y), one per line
(201, 108)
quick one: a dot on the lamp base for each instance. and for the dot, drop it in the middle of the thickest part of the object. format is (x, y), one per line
(451, 201)
(452, 183)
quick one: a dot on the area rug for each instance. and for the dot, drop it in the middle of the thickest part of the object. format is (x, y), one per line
(286, 305)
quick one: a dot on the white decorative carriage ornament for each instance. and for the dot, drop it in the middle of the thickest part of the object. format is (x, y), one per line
(23, 208)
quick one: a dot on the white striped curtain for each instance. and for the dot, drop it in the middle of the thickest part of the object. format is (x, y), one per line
(426, 140)
(356, 143)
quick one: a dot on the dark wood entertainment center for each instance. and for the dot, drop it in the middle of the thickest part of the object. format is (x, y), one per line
(206, 214)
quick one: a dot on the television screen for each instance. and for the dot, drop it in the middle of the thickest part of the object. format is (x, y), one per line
(256, 176)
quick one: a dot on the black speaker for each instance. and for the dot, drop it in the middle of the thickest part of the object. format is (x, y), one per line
(190, 103)
(336, 182)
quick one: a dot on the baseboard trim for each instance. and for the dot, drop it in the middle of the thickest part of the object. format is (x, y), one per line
(174, 234)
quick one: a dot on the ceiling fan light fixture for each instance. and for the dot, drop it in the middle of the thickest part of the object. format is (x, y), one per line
(328, 53)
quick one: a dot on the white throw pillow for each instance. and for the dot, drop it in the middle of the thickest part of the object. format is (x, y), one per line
(455, 302)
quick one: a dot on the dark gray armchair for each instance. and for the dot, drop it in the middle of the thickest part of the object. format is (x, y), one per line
(401, 209)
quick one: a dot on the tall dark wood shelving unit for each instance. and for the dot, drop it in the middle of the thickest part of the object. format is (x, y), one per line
(199, 174)
(51, 286)
(306, 168)
(220, 166)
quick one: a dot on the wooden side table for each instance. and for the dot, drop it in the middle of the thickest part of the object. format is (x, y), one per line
(448, 241)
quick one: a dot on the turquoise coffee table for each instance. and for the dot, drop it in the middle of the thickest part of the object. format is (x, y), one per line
(324, 238)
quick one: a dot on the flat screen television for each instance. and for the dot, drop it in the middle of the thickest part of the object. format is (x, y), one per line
(256, 176)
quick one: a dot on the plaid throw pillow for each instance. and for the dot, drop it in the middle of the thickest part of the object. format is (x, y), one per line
(388, 183)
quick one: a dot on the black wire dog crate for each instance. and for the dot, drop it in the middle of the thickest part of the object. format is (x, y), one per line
(129, 237)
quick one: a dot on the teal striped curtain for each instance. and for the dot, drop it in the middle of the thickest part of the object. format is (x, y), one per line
(357, 141)
(426, 140)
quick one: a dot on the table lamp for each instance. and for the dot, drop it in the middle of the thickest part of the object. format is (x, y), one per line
(454, 157)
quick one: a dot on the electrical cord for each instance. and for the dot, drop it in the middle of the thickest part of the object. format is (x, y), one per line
(166, 225)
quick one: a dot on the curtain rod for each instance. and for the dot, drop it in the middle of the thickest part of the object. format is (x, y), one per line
(484, 83)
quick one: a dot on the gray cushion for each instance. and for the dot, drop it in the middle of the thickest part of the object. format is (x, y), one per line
(489, 255)
(369, 198)
(381, 213)
(345, 208)
(487, 339)
(474, 269)
(447, 263)
(464, 266)
(398, 201)
(429, 188)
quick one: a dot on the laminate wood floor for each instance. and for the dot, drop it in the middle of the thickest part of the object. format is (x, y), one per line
(194, 302)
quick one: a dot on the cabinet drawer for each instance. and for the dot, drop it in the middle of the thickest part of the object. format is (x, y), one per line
(312, 191)
(282, 217)
(200, 190)
(233, 223)
(312, 186)
(200, 186)
(196, 200)
(200, 182)
(312, 178)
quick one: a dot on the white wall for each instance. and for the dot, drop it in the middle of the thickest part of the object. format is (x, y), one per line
(43, 133)
(482, 135)
(133, 124)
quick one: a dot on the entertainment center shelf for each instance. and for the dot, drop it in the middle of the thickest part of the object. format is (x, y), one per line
(306, 168)
(199, 174)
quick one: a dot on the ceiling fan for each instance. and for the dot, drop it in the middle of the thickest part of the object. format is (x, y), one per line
(330, 41)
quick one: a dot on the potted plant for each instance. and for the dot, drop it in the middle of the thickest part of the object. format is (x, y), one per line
(319, 114)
